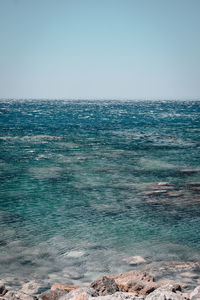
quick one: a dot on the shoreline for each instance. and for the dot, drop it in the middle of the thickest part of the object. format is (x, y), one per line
(144, 279)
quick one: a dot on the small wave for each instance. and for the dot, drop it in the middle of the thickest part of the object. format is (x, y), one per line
(155, 164)
(45, 172)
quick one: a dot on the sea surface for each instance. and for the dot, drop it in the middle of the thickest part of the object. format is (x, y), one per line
(85, 185)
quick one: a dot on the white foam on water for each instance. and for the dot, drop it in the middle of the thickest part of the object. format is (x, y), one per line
(45, 172)
(155, 164)
(67, 145)
(39, 138)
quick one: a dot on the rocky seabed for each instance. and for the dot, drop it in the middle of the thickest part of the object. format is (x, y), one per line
(133, 285)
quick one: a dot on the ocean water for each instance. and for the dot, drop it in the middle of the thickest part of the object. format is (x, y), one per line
(81, 186)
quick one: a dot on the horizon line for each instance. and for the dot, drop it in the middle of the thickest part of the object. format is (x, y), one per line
(96, 99)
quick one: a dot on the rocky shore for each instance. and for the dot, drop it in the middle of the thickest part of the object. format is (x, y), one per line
(138, 284)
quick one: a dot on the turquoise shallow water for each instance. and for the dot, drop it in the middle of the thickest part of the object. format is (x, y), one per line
(77, 180)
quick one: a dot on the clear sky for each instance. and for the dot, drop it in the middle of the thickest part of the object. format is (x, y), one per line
(100, 49)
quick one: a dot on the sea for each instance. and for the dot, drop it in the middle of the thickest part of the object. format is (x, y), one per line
(87, 185)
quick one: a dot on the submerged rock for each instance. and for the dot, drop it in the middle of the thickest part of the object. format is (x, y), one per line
(75, 254)
(135, 260)
(165, 267)
(194, 186)
(105, 286)
(161, 189)
(186, 273)
(155, 192)
(188, 171)
(172, 194)
(163, 183)
(160, 186)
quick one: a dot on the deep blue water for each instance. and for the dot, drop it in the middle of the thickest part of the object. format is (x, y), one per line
(77, 180)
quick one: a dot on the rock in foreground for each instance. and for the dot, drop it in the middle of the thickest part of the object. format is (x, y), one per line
(120, 296)
(135, 282)
(3, 290)
(80, 294)
(164, 294)
(133, 285)
(64, 287)
(105, 286)
(195, 295)
(52, 294)
(16, 295)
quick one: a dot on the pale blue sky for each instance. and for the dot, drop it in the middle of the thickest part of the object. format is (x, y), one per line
(100, 49)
